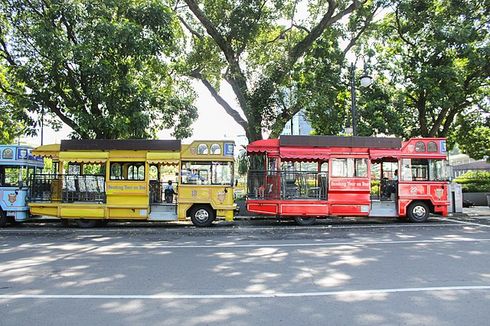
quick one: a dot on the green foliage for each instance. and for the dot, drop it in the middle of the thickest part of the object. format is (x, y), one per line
(434, 59)
(472, 135)
(474, 181)
(104, 68)
(243, 163)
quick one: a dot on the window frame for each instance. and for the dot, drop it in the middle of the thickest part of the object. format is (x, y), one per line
(210, 173)
(351, 167)
(124, 168)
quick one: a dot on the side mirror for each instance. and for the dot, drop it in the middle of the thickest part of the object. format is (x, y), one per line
(236, 183)
(21, 184)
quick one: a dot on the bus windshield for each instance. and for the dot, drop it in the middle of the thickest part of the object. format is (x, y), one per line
(207, 173)
(10, 176)
(425, 170)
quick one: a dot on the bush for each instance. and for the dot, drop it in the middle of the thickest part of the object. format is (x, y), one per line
(474, 181)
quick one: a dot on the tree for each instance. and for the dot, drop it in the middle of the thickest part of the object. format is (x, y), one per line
(472, 134)
(104, 68)
(12, 123)
(264, 50)
(435, 56)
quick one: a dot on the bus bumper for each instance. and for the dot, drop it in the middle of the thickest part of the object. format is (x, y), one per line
(19, 216)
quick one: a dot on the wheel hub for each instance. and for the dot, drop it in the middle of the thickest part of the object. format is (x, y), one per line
(419, 211)
(202, 215)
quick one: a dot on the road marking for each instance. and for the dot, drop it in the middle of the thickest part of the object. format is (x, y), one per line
(164, 296)
(463, 222)
(226, 229)
(254, 245)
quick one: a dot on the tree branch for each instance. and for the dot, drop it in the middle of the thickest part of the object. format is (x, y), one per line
(7, 54)
(229, 110)
(212, 31)
(399, 29)
(235, 76)
(189, 28)
(69, 122)
(281, 120)
(361, 31)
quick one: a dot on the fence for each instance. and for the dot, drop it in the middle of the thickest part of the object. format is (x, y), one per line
(287, 185)
(67, 188)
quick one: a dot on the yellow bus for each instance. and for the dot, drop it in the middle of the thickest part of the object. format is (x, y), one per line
(94, 181)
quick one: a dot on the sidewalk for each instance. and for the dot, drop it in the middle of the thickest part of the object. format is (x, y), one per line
(480, 211)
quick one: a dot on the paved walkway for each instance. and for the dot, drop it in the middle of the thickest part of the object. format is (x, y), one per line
(480, 211)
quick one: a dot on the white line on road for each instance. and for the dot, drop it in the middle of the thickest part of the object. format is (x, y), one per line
(253, 245)
(463, 222)
(245, 295)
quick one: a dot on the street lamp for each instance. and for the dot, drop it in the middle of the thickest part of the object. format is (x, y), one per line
(365, 80)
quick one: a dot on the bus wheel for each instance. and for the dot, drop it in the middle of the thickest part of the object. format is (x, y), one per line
(86, 224)
(305, 221)
(3, 218)
(202, 216)
(418, 212)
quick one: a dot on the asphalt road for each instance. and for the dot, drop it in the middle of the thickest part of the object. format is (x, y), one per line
(247, 273)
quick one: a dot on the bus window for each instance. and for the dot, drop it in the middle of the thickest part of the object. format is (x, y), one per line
(10, 176)
(222, 173)
(134, 171)
(216, 149)
(438, 170)
(202, 149)
(361, 167)
(324, 167)
(207, 173)
(349, 167)
(424, 170)
(339, 167)
(73, 168)
(256, 162)
(116, 171)
(93, 169)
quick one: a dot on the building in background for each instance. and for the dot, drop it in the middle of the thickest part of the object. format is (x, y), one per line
(298, 125)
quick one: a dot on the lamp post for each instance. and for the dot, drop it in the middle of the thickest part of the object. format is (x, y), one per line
(365, 80)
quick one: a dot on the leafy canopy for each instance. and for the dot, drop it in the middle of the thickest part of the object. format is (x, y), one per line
(278, 56)
(103, 67)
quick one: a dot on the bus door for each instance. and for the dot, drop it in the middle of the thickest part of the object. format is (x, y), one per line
(384, 187)
(349, 187)
(163, 185)
(13, 192)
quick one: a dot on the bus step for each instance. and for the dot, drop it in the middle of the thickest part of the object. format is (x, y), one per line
(383, 209)
(163, 213)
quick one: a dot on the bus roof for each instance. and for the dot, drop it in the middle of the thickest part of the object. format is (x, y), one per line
(340, 141)
(19, 155)
(305, 148)
(115, 144)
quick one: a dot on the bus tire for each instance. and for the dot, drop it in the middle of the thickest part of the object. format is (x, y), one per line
(202, 215)
(86, 224)
(305, 221)
(418, 212)
(3, 219)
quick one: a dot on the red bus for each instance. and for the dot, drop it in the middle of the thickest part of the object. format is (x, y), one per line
(307, 177)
